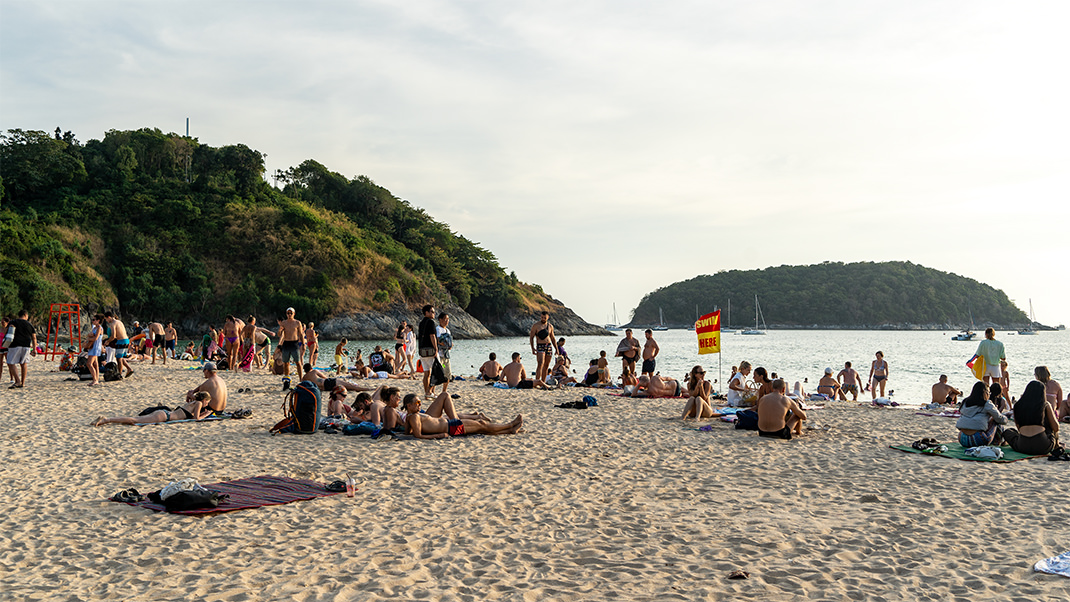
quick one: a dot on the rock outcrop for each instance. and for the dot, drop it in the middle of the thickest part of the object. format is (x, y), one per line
(383, 325)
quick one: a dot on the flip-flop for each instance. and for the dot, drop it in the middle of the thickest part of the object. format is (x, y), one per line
(336, 486)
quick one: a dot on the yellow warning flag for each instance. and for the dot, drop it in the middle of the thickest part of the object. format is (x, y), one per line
(708, 329)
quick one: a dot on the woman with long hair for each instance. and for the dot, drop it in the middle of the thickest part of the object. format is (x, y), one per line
(698, 395)
(980, 421)
(1038, 429)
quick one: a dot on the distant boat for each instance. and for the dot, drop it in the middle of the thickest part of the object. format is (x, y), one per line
(661, 322)
(967, 334)
(757, 312)
(1032, 321)
(615, 325)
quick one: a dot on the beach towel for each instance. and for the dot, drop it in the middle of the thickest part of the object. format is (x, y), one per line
(977, 366)
(954, 450)
(247, 359)
(944, 414)
(210, 418)
(1056, 565)
(254, 492)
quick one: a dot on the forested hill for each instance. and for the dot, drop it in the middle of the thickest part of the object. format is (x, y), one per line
(162, 227)
(836, 295)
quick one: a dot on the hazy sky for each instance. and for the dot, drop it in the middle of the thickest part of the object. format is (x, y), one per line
(607, 148)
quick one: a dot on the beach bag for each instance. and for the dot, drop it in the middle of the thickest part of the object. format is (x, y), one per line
(747, 420)
(110, 372)
(301, 410)
(81, 367)
(438, 375)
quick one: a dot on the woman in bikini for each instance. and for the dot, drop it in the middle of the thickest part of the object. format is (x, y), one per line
(231, 344)
(312, 342)
(541, 336)
(698, 391)
(195, 410)
(878, 374)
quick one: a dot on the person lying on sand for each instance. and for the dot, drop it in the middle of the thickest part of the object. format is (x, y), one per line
(657, 386)
(429, 426)
(778, 415)
(194, 410)
(327, 383)
(698, 391)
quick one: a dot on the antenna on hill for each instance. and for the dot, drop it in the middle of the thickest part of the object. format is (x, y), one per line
(187, 151)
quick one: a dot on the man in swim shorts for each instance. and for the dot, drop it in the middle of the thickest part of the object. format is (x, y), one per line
(628, 351)
(119, 341)
(291, 333)
(516, 376)
(433, 425)
(944, 393)
(491, 369)
(849, 380)
(170, 339)
(21, 343)
(778, 415)
(650, 353)
(427, 343)
(156, 335)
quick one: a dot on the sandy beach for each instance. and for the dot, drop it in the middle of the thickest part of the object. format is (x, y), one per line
(614, 502)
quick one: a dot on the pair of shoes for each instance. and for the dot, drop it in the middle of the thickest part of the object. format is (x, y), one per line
(242, 413)
(925, 444)
(128, 496)
(336, 486)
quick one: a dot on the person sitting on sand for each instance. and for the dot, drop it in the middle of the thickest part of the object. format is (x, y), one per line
(698, 391)
(188, 354)
(629, 382)
(657, 386)
(593, 375)
(430, 426)
(944, 393)
(195, 409)
(829, 386)
(1038, 428)
(763, 382)
(998, 399)
(516, 376)
(980, 421)
(383, 407)
(737, 385)
(604, 379)
(326, 383)
(359, 412)
(779, 416)
(214, 385)
(560, 376)
(491, 369)
(1053, 391)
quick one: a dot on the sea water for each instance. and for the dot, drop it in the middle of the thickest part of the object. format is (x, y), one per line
(916, 359)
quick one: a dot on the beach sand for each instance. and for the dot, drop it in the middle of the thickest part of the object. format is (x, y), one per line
(611, 503)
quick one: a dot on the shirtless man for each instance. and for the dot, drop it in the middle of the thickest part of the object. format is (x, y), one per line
(628, 351)
(650, 353)
(214, 385)
(829, 386)
(326, 383)
(657, 386)
(849, 380)
(119, 340)
(427, 426)
(291, 333)
(232, 343)
(491, 369)
(944, 393)
(516, 376)
(541, 336)
(778, 415)
(170, 339)
(382, 410)
(1053, 392)
(156, 335)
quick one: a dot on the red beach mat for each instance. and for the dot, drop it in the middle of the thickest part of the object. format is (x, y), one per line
(254, 492)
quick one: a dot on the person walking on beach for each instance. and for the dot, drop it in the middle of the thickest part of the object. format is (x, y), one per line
(541, 337)
(21, 342)
(650, 353)
(232, 339)
(291, 333)
(878, 374)
(428, 345)
(119, 340)
(992, 350)
(157, 336)
(312, 342)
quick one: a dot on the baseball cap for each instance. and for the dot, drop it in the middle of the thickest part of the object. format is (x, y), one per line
(828, 370)
(209, 366)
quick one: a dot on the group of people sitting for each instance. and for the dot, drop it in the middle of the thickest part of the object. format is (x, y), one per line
(1036, 414)
(777, 415)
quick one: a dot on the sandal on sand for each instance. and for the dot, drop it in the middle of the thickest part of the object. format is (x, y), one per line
(336, 486)
(738, 575)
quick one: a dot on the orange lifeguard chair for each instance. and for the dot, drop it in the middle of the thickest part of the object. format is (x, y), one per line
(56, 313)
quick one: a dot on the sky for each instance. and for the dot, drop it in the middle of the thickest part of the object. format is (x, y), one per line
(604, 149)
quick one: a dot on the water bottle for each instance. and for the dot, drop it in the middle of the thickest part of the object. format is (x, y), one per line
(351, 488)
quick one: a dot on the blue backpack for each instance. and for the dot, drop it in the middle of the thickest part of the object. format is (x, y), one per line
(301, 410)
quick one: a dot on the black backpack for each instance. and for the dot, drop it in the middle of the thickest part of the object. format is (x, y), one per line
(110, 372)
(301, 410)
